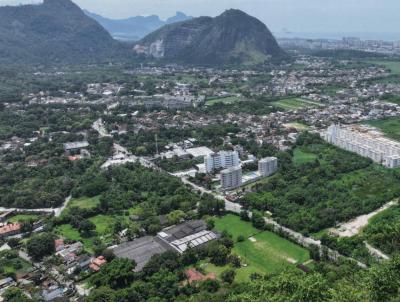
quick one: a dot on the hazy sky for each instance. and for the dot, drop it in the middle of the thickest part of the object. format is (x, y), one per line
(294, 15)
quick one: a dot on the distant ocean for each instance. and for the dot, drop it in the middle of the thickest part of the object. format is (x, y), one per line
(339, 36)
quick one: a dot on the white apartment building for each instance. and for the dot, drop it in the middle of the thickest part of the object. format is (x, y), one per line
(267, 166)
(365, 141)
(231, 178)
(221, 160)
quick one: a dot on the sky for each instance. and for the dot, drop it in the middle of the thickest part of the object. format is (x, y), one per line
(299, 16)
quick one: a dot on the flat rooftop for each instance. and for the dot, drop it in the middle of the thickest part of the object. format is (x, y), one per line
(141, 250)
(199, 151)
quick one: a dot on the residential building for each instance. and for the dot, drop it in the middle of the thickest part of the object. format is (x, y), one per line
(365, 141)
(97, 263)
(10, 230)
(221, 160)
(231, 178)
(74, 147)
(267, 166)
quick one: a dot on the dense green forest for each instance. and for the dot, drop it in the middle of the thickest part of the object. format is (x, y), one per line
(332, 187)
(383, 231)
(162, 278)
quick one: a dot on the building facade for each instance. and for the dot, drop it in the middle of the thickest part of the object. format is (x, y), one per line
(267, 166)
(231, 178)
(221, 160)
(366, 142)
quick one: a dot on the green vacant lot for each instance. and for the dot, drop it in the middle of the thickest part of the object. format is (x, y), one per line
(85, 202)
(300, 157)
(226, 100)
(262, 252)
(103, 229)
(298, 125)
(12, 264)
(394, 66)
(295, 103)
(391, 127)
(23, 218)
(69, 233)
(235, 226)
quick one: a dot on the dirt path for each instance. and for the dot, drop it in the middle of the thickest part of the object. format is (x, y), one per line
(353, 227)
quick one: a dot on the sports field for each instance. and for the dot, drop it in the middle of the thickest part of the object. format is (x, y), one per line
(262, 252)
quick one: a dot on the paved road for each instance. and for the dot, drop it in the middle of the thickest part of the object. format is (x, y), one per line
(56, 211)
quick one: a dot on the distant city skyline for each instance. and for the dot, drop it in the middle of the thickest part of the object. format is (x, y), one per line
(368, 19)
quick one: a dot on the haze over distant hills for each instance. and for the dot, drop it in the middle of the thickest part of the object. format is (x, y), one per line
(58, 31)
(135, 28)
(53, 32)
(231, 38)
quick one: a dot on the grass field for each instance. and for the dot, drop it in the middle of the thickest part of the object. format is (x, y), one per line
(103, 228)
(235, 227)
(262, 252)
(226, 100)
(85, 202)
(394, 66)
(391, 127)
(13, 266)
(68, 232)
(295, 103)
(300, 157)
(297, 125)
(23, 218)
(269, 253)
(103, 223)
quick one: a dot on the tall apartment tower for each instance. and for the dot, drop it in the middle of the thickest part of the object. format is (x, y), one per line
(223, 159)
(267, 166)
(231, 178)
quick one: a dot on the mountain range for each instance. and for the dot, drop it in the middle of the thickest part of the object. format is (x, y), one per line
(55, 31)
(234, 37)
(58, 31)
(135, 28)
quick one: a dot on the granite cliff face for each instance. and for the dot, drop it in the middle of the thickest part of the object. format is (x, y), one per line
(231, 38)
(54, 31)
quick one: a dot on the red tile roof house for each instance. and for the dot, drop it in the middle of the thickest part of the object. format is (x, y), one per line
(97, 263)
(59, 244)
(195, 276)
(10, 230)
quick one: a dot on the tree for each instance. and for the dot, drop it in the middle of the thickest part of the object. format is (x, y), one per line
(234, 260)
(244, 215)
(218, 254)
(41, 245)
(211, 206)
(210, 285)
(176, 216)
(228, 276)
(116, 274)
(210, 224)
(102, 294)
(240, 238)
(86, 228)
(109, 255)
(14, 294)
(257, 220)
